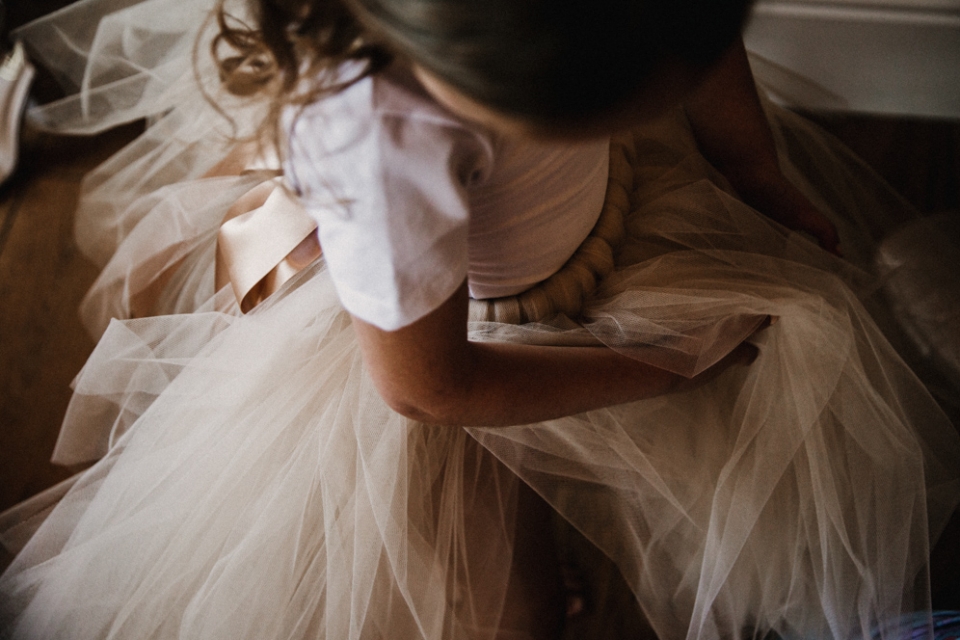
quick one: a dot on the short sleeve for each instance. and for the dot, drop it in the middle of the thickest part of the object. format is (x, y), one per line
(388, 192)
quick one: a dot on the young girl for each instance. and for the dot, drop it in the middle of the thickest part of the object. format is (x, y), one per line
(345, 401)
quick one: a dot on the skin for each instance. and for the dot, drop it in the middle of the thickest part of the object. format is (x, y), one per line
(431, 372)
(732, 132)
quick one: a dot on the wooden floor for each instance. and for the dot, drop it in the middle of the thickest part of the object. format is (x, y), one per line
(42, 280)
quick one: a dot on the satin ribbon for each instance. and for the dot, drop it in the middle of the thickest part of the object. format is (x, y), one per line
(265, 239)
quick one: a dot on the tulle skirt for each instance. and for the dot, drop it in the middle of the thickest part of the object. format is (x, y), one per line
(250, 483)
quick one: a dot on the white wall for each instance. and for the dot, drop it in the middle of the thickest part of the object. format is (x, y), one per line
(873, 56)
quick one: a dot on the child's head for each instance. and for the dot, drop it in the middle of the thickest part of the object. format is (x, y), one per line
(551, 63)
(554, 62)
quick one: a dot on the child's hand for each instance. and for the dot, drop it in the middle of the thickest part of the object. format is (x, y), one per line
(731, 129)
(771, 193)
(742, 355)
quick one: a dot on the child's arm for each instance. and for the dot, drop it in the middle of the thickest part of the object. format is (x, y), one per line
(733, 133)
(429, 371)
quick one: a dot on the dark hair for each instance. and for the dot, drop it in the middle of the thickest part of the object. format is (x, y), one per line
(546, 61)
(553, 60)
(290, 40)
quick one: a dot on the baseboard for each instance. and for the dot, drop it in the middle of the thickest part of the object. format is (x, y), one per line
(896, 57)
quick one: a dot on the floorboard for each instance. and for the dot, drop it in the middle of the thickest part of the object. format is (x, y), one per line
(42, 279)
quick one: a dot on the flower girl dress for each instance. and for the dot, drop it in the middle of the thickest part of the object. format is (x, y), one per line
(250, 483)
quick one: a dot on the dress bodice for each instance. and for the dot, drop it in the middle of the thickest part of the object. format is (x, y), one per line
(410, 200)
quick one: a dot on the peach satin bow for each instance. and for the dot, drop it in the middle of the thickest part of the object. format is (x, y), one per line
(265, 239)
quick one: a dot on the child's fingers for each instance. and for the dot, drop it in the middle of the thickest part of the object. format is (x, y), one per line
(744, 354)
(766, 322)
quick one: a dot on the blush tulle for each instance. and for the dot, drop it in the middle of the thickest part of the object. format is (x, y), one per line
(252, 484)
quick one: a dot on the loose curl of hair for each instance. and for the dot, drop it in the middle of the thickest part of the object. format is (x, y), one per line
(291, 40)
(550, 62)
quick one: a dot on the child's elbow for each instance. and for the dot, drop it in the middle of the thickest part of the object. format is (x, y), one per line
(446, 406)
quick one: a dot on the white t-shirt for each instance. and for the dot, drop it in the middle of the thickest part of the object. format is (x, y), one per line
(410, 200)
